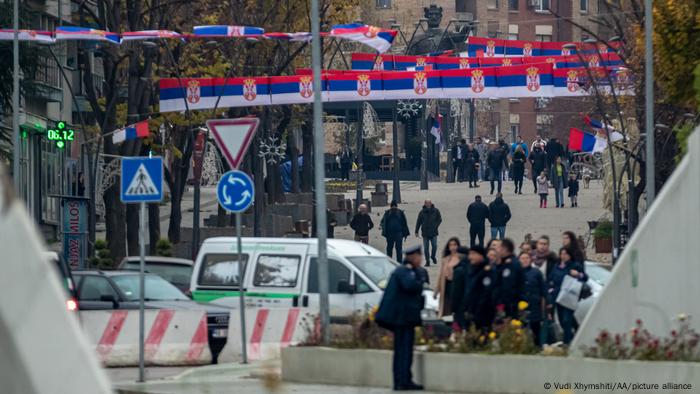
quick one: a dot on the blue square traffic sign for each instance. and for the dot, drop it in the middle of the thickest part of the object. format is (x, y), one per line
(142, 179)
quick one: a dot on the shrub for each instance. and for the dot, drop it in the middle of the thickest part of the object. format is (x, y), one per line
(103, 256)
(603, 230)
(164, 248)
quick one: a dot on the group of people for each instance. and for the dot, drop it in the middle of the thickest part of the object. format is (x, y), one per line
(494, 161)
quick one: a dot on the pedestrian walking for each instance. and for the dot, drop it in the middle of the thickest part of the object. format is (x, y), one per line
(534, 293)
(565, 267)
(538, 163)
(345, 157)
(394, 229)
(505, 151)
(519, 143)
(518, 169)
(499, 215)
(478, 291)
(399, 312)
(539, 141)
(471, 161)
(578, 250)
(482, 148)
(543, 189)
(477, 213)
(553, 149)
(428, 221)
(496, 160)
(509, 280)
(361, 223)
(443, 289)
(458, 160)
(573, 189)
(559, 178)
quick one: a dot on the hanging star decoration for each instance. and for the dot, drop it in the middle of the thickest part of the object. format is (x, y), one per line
(408, 108)
(271, 150)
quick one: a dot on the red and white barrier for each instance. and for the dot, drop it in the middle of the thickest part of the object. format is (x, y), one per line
(268, 330)
(172, 337)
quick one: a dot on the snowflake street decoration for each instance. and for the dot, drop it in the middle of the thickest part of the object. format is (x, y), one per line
(370, 121)
(408, 108)
(211, 167)
(271, 150)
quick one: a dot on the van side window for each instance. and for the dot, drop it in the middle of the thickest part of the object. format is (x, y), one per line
(361, 285)
(337, 272)
(220, 269)
(276, 271)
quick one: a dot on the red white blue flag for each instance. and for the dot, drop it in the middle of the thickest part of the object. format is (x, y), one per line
(469, 83)
(485, 47)
(26, 35)
(223, 31)
(294, 37)
(206, 93)
(375, 37)
(131, 132)
(526, 80)
(150, 35)
(371, 61)
(411, 85)
(580, 141)
(295, 89)
(85, 33)
(355, 86)
(436, 128)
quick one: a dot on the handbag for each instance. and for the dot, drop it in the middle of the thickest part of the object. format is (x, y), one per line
(585, 291)
(570, 292)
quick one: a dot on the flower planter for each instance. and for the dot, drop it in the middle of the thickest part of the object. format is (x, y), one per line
(603, 245)
(480, 373)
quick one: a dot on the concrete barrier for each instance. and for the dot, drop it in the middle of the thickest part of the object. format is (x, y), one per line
(479, 373)
(172, 337)
(268, 330)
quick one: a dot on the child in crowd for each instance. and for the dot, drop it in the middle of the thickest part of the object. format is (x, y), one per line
(543, 189)
(573, 189)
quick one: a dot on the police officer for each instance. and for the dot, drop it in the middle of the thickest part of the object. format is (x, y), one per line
(459, 282)
(534, 293)
(399, 311)
(509, 280)
(478, 291)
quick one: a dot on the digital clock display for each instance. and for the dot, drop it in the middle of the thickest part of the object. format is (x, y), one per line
(60, 134)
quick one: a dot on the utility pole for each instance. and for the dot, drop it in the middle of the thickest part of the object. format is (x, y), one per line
(649, 100)
(359, 156)
(423, 147)
(395, 151)
(15, 100)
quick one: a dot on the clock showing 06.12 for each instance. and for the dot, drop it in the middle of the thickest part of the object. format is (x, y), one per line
(61, 134)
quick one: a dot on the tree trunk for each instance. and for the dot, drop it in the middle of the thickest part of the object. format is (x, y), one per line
(307, 168)
(259, 181)
(153, 227)
(132, 229)
(180, 169)
(114, 223)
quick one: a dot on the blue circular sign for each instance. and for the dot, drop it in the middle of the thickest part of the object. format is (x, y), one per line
(235, 191)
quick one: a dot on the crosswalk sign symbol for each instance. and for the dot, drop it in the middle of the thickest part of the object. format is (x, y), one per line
(142, 179)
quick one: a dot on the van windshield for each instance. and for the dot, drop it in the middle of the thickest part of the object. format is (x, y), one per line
(377, 268)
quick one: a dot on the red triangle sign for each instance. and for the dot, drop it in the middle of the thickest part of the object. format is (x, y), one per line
(233, 137)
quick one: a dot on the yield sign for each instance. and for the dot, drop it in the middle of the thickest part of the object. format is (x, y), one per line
(233, 136)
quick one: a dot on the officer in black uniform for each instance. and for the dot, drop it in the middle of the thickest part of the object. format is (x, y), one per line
(509, 280)
(399, 311)
(459, 282)
(478, 291)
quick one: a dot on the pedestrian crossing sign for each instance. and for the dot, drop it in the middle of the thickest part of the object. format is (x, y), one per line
(142, 179)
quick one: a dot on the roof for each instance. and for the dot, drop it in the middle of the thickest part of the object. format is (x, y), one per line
(158, 259)
(107, 273)
(339, 246)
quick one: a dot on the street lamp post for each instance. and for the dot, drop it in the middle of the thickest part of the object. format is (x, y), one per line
(649, 101)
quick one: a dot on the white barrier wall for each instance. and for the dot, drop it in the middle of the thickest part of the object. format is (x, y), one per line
(42, 347)
(171, 337)
(657, 277)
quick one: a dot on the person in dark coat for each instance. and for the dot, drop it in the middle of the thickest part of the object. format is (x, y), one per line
(362, 223)
(477, 213)
(458, 152)
(538, 161)
(395, 229)
(509, 280)
(471, 159)
(555, 278)
(345, 156)
(429, 220)
(478, 291)
(553, 149)
(459, 277)
(499, 215)
(573, 189)
(534, 293)
(400, 312)
(496, 161)
(518, 169)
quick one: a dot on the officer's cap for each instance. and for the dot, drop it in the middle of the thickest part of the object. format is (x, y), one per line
(478, 249)
(463, 250)
(412, 250)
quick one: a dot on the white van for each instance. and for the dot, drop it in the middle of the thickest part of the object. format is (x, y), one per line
(282, 272)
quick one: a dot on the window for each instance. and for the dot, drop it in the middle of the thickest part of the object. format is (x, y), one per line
(221, 270)
(93, 288)
(383, 3)
(512, 5)
(463, 5)
(492, 29)
(376, 268)
(337, 272)
(584, 5)
(157, 288)
(276, 271)
(542, 5)
(543, 37)
(513, 31)
(492, 4)
(514, 131)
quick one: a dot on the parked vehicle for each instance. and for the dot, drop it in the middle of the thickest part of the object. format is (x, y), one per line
(174, 270)
(64, 272)
(283, 273)
(107, 290)
(598, 276)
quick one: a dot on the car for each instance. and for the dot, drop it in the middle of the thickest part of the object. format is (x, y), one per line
(598, 276)
(175, 270)
(56, 260)
(108, 290)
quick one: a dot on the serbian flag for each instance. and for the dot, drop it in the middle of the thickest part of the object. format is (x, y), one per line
(371, 61)
(375, 37)
(411, 62)
(499, 61)
(412, 85)
(556, 61)
(222, 31)
(295, 89)
(150, 35)
(455, 63)
(85, 33)
(526, 80)
(469, 83)
(131, 132)
(294, 37)
(521, 48)
(556, 48)
(204, 93)
(485, 47)
(355, 86)
(26, 35)
(436, 128)
(581, 141)
(570, 82)
(603, 128)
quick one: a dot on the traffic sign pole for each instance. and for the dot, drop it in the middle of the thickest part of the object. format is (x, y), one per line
(241, 289)
(142, 291)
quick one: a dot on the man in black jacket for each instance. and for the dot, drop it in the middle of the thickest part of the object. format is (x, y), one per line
(458, 152)
(509, 280)
(362, 223)
(399, 311)
(538, 160)
(496, 160)
(395, 229)
(459, 278)
(478, 291)
(477, 213)
(499, 215)
(429, 219)
(345, 158)
(553, 149)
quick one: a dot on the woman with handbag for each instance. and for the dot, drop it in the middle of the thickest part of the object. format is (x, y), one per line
(564, 283)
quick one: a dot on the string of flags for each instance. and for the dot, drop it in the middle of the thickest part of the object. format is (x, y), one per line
(131, 132)
(375, 37)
